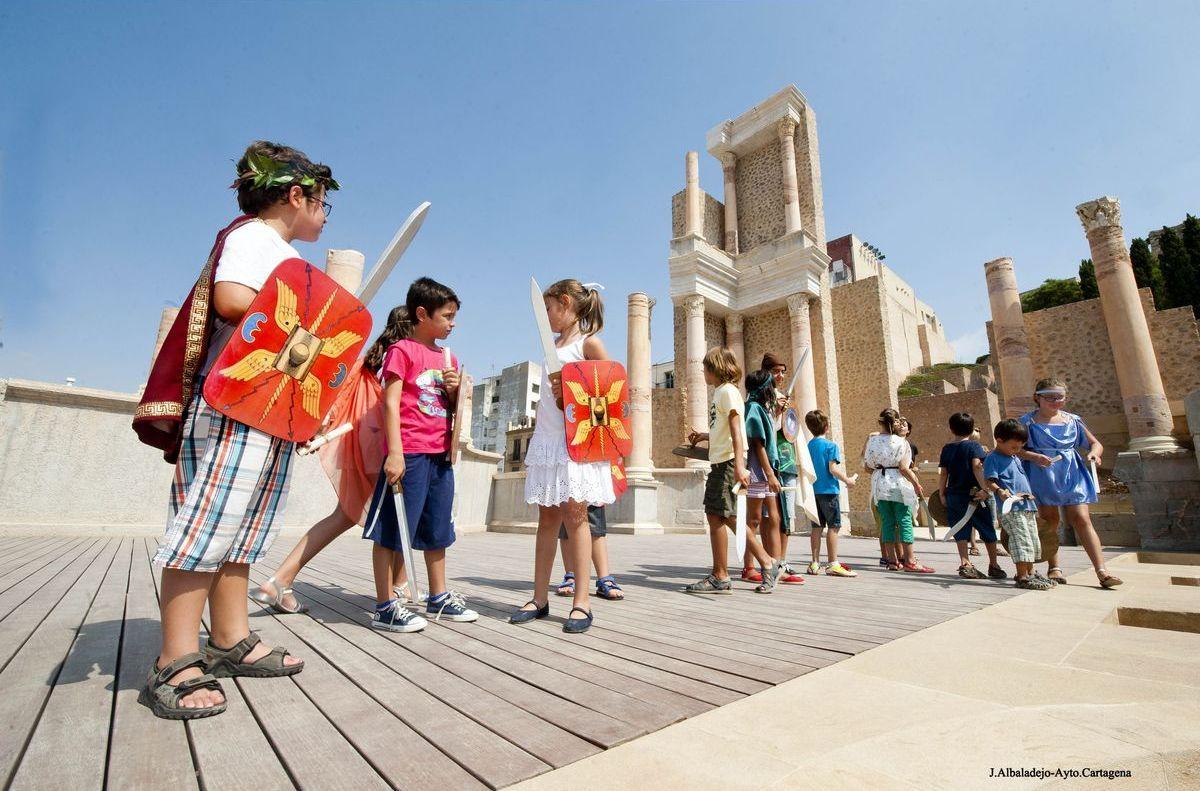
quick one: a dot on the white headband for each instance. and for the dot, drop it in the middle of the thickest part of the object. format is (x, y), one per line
(593, 286)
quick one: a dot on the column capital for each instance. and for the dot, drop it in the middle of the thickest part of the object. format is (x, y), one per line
(786, 128)
(797, 304)
(728, 160)
(693, 305)
(1099, 213)
(733, 323)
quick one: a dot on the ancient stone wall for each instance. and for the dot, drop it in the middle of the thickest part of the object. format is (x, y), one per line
(930, 417)
(767, 332)
(713, 211)
(759, 197)
(666, 406)
(864, 368)
(808, 176)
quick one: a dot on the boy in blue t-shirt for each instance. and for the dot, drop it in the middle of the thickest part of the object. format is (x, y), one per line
(827, 461)
(1007, 481)
(961, 483)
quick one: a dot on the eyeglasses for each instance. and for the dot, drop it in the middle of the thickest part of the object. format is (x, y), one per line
(325, 207)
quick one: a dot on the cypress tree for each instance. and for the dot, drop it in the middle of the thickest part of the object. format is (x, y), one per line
(1179, 279)
(1087, 279)
(1147, 273)
(1191, 243)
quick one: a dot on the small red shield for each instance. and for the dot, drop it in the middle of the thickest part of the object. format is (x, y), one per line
(294, 349)
(620, 482)
(596, 410)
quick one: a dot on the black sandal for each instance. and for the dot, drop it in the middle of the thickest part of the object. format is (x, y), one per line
(231, 662)
(577, 625)
(525, 616)
(163, 698)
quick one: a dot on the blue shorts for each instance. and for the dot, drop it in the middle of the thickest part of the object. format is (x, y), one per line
(428, 503)
(981, 520)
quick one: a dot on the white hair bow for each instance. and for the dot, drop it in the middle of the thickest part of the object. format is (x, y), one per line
(593, 286)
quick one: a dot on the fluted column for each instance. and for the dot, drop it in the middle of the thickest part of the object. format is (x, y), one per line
(729, 168)
(693, 216)
(1012, 347)
(1142, 393)
(791, 189)
(735, 343)
(695, 345)
(805, 395)
(346, 268)
(639, 465)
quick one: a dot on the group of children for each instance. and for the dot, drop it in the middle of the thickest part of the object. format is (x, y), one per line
(751, 457)
(231, 480)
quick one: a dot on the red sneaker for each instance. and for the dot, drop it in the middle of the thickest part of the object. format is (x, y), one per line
(792, 579)
(751, 575)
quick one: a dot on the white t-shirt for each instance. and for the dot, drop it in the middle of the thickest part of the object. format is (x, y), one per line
(251, 253)
(726, 399)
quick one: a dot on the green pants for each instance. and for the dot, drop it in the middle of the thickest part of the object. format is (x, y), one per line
(893, 517)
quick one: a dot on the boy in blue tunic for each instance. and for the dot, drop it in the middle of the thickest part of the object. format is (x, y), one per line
(1006, 480)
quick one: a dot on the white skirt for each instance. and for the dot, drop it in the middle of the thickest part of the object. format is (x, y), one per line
(552, 478)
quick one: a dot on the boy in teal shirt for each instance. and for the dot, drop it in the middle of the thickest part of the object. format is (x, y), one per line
(827, 461)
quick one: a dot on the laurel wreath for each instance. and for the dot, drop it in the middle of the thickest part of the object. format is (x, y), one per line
(263, 172)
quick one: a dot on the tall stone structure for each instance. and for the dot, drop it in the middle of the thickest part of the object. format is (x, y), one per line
(1012, 347)
(751, 272)
(1145, 400)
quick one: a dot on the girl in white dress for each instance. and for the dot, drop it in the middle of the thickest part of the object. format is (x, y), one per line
(561, 488)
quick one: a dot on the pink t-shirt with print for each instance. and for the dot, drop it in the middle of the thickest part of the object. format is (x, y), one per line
(425, 409)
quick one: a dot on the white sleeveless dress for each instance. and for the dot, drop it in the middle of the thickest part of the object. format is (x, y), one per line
(551, 477)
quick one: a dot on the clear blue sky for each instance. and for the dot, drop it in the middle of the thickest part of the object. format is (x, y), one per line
(550, 137)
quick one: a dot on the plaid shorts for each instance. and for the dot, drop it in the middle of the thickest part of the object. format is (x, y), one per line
(1022, 531)
(230, 483)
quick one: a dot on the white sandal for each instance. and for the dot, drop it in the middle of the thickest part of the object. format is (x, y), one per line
(276, 602)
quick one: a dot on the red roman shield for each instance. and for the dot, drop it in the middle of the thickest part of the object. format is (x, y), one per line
(294, 349)
(596, 410)
(620, 482)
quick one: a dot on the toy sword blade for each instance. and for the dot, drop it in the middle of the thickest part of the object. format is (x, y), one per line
(391, 254)
(739, 533)
(545, 334)
(410, 563)
(791, 388)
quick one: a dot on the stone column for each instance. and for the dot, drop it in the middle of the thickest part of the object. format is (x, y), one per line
(805, 395)
(1145, 400)
(697, 391)
(346, 268)
(638, 465)
(1012, 348)
(791, 190)
(164, 326)
(735, 343)
(693, 214)
(729, 168)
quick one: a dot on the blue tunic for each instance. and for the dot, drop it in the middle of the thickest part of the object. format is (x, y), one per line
(1066, 481)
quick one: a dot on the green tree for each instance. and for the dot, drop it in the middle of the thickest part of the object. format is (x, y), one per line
(1147, 272)
(1191, 243)
(1087, 279)
(1050, 294)
(1179, 276)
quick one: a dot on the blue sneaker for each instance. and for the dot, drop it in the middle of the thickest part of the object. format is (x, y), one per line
(394, 618)
(450, 606)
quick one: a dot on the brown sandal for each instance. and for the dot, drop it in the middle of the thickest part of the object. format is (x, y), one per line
(230, 662)
(163, 698)
(1107, 580)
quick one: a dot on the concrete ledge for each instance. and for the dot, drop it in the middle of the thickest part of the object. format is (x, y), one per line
(1170, 558)
(1176, 611)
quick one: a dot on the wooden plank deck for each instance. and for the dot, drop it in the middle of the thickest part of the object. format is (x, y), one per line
(458, 706)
